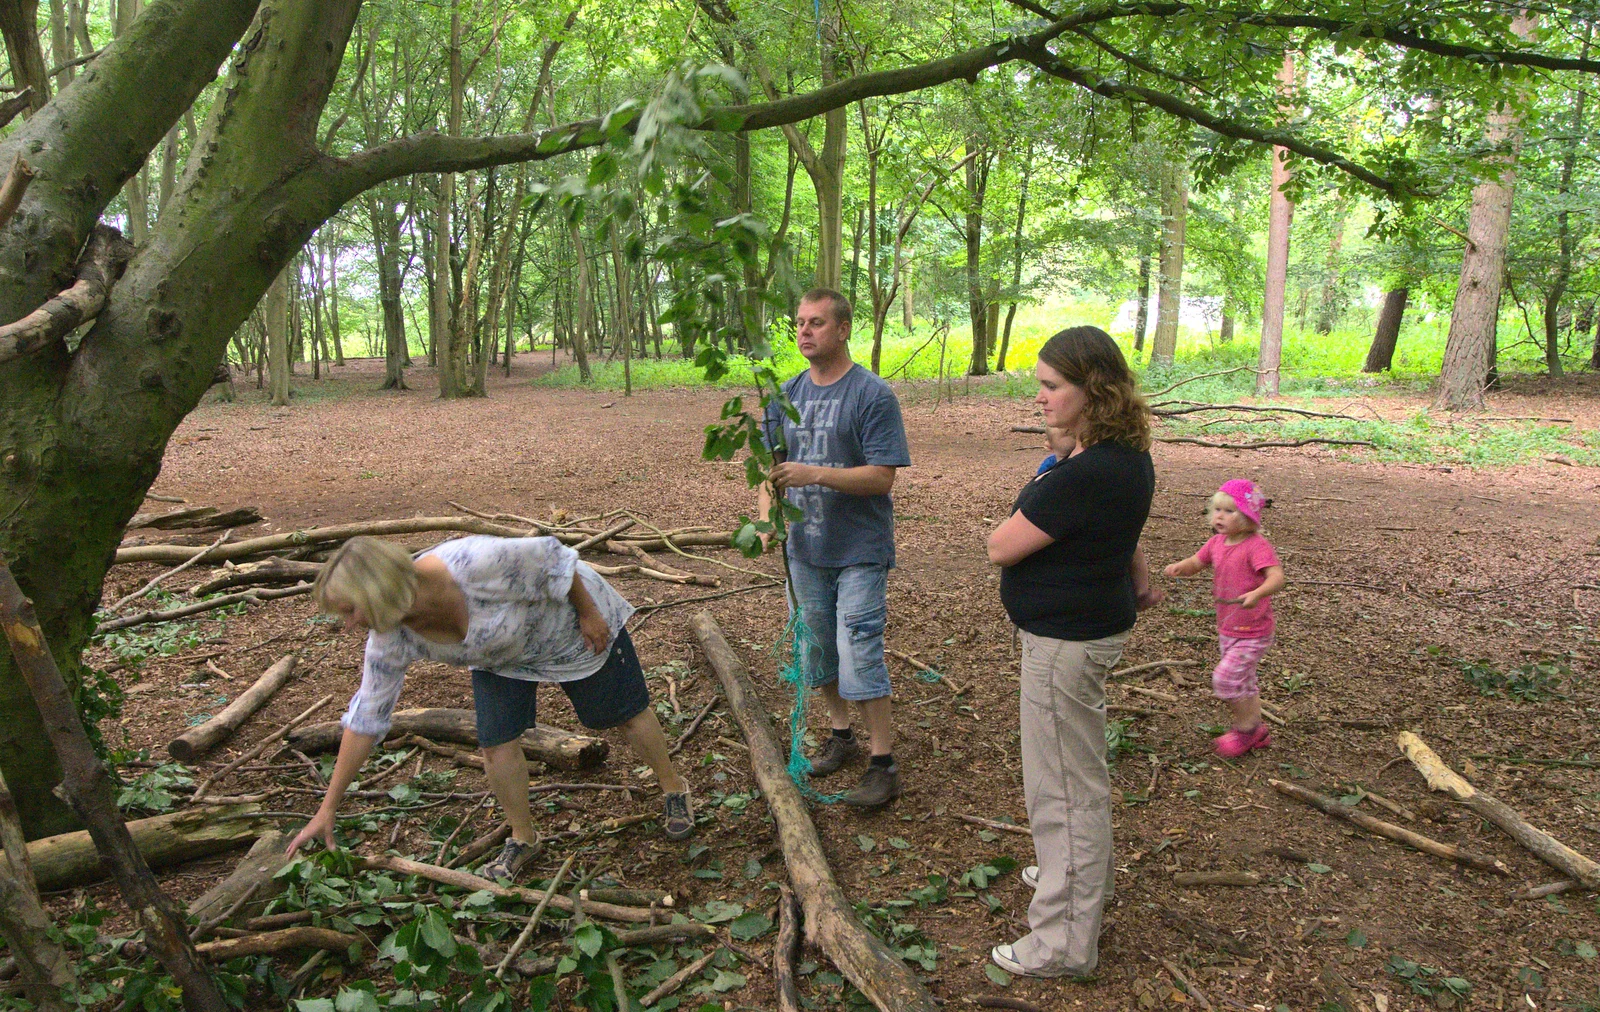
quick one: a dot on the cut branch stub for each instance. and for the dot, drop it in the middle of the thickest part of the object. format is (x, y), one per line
(829, 919)
(98, 269)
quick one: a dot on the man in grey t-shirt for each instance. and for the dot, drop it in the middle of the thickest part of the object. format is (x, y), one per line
(841, 461)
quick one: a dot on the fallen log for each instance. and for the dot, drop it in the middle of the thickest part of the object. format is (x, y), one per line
(472, 883)
(197, 518)
(255, 574)
(251, 884)
(269, 943)
(388, 529)
(1390, 831)
(197, 741)
(61, 862)
(1539, 892)
(1216, 878)
(90, 789)
(259, 747)
(1539, 843)
(550, 745)
(829, 919)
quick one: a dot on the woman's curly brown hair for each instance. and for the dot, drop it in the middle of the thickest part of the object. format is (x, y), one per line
(1114, 411)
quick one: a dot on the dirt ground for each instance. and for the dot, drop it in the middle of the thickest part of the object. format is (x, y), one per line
(1396, 572)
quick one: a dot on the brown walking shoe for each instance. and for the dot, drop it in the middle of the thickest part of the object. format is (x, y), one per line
(879, 786)
(833, 754)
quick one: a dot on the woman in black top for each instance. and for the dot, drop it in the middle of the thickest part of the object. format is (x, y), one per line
(1073, 580)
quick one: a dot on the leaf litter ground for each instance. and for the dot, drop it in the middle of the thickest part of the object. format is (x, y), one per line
(1429, 596)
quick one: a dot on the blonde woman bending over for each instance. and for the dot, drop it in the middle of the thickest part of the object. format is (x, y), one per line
(517, 612)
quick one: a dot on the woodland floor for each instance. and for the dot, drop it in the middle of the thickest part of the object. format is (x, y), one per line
(1419, 567)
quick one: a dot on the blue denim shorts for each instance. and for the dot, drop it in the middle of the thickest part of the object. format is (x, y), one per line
(845, 609)
(615, 694)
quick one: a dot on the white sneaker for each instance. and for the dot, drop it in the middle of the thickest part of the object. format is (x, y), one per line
(1030, 876)
(1005, 957)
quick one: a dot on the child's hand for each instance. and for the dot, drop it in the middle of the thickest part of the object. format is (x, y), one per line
(1251, 599)
(1176, 569)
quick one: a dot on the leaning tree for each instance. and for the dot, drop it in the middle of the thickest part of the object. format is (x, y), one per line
(84, 422)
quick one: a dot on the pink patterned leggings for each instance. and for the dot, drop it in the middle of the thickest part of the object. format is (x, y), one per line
(1235, 674)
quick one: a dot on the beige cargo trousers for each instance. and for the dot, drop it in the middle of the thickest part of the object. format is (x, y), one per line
(1068, 793)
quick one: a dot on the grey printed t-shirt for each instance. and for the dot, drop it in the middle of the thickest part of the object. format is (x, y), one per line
(519, 623)
(851, 422)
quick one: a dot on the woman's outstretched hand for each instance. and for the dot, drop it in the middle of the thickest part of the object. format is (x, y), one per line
(319, 828)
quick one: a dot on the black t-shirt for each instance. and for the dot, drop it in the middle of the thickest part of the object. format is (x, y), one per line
(1095, 505)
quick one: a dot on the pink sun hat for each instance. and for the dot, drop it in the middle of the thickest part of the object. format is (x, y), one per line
(1246, 497)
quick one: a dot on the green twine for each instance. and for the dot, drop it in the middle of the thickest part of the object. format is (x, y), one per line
(799, 639)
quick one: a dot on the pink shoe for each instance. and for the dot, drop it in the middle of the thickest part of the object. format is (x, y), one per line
(1236, 743)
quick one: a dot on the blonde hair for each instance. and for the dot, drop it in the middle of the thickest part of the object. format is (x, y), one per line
(1219, 500)
(376, 577)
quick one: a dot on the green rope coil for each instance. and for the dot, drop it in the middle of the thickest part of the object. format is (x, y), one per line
(795, 640)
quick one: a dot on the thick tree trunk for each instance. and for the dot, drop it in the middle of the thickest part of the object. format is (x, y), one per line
(1475, 315)
(1141, 312)
(386, 250)
(19, 23)
(1381, 355)
(277, 315)
(1016, 259)
(332, 258)
(977, 306)
(47, 972)
(1280, 215)
(585, 302)
(1174, 225)
(1329, 309)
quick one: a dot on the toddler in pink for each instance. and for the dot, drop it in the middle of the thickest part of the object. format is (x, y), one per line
(1245, 574)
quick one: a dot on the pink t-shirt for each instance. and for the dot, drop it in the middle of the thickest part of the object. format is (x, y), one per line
(1236, 570)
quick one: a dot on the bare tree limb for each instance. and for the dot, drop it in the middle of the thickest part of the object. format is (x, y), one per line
(15, 185)
(98, 269)
(1263, 444)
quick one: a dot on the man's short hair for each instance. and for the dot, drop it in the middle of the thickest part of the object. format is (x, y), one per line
(837, 303)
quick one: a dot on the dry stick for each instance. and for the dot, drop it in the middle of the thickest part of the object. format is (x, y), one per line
(481, 846)
(1205, 375)
(786, 950)
(271, 942)
(1216, 878)
(261, 746)
(1191, 407)
(949, 682)
(694, 725)
(472, 883)
(1393, 806)
(533, 921)
(682, 977)
(197, 741)
(1390, 831)
(1151, 666)
(174, 571)
(15, 185)
(1165, 697)
(248, 596)
(1263, 444)
(1539, 843)
(394, 768)
(444, 847)
(611, 532)
(1548, 889)
(1001, 1001)
(864, 960)
(650, 609)
(992, 824)
(92, 793)
(1188, 985)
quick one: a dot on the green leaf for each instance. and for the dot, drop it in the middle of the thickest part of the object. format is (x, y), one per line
(588, 940)
(752, 869)
(435, 934)
(1585, 951)
(751, 926)
(716, 912)
(1320, 869)
(1356, 939)
(898, 844)
(727, 981)
(352, 1000)
(997, 975)
(866, 843)
(314, 1005)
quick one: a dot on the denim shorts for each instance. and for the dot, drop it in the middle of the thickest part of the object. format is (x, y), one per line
(615, 694)
(845, 609)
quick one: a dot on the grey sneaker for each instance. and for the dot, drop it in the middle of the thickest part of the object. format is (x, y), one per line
(879, 786)
(1030, 876)
(508, 864)
(833, 754)
(677, 817)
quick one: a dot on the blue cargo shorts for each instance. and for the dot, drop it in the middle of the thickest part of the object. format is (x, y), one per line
(845, 608)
